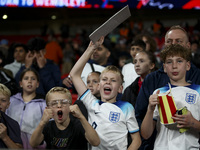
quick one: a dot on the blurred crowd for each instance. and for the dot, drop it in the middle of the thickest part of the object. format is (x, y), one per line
(49, 58)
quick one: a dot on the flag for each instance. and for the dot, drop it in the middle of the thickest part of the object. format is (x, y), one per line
(167, 107)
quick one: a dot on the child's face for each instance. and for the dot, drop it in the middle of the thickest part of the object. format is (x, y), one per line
(142, 63)
(110, 85)
(93, 83)
(4, 102)
(176, 68)
(29, 82)
(59, 103)
(134, 50)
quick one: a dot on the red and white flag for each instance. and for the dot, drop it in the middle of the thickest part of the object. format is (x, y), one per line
(167, 107)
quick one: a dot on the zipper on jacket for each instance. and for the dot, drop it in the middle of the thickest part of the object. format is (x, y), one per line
(24, 107)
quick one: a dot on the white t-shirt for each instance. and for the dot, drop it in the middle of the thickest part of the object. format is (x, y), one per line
(112, 121)
(168, 136)
(129, 74)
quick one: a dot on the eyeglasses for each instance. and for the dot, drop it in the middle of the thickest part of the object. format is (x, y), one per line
(62, 102)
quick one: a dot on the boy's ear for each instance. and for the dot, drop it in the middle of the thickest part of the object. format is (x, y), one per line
(120, 89)
(188, 65)
(152, 66)
(164, 68)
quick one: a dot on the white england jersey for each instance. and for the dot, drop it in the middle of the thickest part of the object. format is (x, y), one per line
(168, 136)
(112, 121)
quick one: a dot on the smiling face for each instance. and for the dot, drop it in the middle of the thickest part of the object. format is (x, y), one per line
(110, 85)
(60, 108)
(101, 55)
(29, 82)
(176, 67)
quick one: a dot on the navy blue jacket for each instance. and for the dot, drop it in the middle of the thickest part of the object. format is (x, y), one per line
(50, 76)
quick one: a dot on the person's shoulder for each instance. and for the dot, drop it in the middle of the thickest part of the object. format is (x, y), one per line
(17, 96)
(123, 104)
(96, 66)
(9, 120)
(195, 87)
(7, 66)
(128, 65)
(156, 74)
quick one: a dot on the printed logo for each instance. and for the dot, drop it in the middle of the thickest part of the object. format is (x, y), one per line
(190, 98)
(59, 142)
(94, 125)
(114, 117)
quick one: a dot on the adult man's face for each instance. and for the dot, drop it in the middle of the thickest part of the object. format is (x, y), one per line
(101, 55)
(19, 54)
(177, 36)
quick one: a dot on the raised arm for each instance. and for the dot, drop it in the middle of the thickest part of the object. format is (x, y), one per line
(148, 124)
(37, 137)
(76, 71)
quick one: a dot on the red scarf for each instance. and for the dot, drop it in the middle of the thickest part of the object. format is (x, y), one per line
(139, 84)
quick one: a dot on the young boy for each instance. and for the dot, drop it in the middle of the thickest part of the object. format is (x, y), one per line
(63, 132)
(176, 63)
(9, 129)
(110, 118)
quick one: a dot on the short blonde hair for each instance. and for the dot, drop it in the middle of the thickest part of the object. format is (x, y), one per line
(113, 69)
(4, 90)
(59, 90)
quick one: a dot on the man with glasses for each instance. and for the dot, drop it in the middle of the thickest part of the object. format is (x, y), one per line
(62, 131)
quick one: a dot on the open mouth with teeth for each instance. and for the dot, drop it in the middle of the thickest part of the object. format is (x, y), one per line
(60, 114)
(107, 90)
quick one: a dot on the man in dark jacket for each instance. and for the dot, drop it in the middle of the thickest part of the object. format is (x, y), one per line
(49, 72)
(157, 79)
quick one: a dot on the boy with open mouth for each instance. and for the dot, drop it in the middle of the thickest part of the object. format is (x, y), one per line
(63, 131)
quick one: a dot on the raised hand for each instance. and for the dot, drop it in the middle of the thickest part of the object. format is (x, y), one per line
(29, 59)
(67, 82)
(47, 114)
(74, 109)
(153, 101)
(41, 60)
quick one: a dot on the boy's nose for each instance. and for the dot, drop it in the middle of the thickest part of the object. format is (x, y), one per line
(174, 64)
(59, 104)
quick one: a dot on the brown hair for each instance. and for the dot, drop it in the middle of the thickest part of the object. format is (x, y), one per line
(175, 50)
